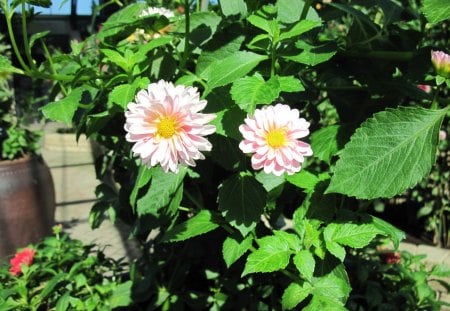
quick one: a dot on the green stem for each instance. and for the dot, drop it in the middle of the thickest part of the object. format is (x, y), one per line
(12, 38)
(26, 44)
(273, 60)
(384, 55)
(52, 67)
(186, 34)
(305, 9)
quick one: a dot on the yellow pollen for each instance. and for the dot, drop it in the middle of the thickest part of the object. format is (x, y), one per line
(276, 138)
(166, 127)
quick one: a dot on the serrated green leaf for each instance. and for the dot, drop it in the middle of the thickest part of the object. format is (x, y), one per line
(351, 234)
(305, 180)
(290, 238)
(305, 263)
(233, 7)
(233, 67)
(117, 58)
(290, 84)
(389, 153)
(272, 255)
(332, 287)
(260, 22)
(143, 178)
(199, 224)
(269, 181)
(336, 250)
(242, 200)
(64, 109)
(162, 191)
(250, 91)
(436, 10)
(294, 294)
(233, 249)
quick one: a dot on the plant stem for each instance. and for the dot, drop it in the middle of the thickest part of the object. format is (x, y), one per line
(305, 9)
(8, 17)
(52, 67)
(26, 44)
(186, 34)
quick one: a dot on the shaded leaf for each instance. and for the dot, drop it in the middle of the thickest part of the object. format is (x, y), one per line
(294, 294)
(233, 7)
(233, 249)
(199, 224)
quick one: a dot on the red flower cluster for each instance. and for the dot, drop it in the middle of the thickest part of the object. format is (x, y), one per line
(391, 257)
(24, 257)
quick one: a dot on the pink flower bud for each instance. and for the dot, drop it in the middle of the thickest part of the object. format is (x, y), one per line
(441, 62)
(424, 87)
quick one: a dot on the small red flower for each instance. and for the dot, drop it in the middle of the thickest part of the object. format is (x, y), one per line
(424, 87)
(24, 257)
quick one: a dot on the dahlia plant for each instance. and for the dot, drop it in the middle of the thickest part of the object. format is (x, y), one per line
(246, 142)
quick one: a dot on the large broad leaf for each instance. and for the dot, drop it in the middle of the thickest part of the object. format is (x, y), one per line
(64, 109)
(436, 10)
(388, 154)
(273, 255)
(233, 249)
(298, 29)
(225, 71)
(123, 94)
(251, 91)
(242, 200)
(199, 224)
(289, 10)
(233, 7)
(294, 294)
(324, 142)
(162, 192)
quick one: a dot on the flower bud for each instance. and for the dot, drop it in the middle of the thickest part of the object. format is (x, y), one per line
(441, 62)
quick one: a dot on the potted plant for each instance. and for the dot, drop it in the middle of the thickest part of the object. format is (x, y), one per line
(27, 200)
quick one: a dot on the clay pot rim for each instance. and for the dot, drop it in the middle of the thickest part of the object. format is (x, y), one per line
(25, 158)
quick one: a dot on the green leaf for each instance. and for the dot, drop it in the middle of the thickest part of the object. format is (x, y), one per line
(314, 55)
(41, 3)
(349, 234)
(231, 68)
(199, 224)
(123, 94)
(233, 249)
(233, 7)
(250, 91)
(269, 181)
(117, 58)
(143, 178)
(440, 270)
(335, 249)
(206, 58)
(290, 84)
(226, 153)
(6, 67)
(273, 255)
(122, 295)
(291, 239)
(396, 235)
(260, 22)
(306, 180)
(63, 302)
(294, 294)
(331, 287)
(50, 285)
(162, 191)
(289, 10)
(242, 200)
(305, 263)
(436, 10)
(298, 29)
(388, 153)
(64, 109)
(324, 142)
(36, 36)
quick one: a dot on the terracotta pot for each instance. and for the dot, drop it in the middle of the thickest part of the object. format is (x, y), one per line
(27, 203)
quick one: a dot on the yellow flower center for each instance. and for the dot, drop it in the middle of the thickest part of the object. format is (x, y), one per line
(276, 138)
(167, 127)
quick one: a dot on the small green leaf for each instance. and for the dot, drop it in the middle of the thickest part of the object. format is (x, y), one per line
(396, 235)
(122, 295)
(63, 302)
(143, 179)
(331, 287)
(232, 249)
(233, 67)
(41, 3)
(324, 142)
(36, 36)
(440, 270)
(162, 191)
(289, 10)
(294, 294)
(64, 109)
(306, 180)
(117, 58)
(335, 249)
(272, 255)
(388, 153)
(199, 224)
(260, 22)
(290, 238)
(305, 263)
(123, 94)
(251, 91)
(436, 10)
(242, 200)
(6, 67)
(298, 29)
(290, 84)
(314, 55)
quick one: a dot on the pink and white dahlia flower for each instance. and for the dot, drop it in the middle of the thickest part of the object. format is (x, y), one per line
(165, 124)
(272, 134)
